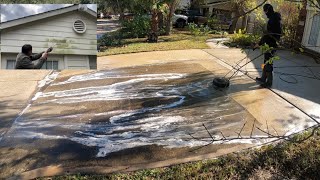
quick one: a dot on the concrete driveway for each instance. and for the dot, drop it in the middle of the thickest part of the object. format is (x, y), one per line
(17, 87)
(146, 110)
(296, 77)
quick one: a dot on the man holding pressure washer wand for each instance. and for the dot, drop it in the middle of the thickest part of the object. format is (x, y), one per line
(25, 58)
(271, 38)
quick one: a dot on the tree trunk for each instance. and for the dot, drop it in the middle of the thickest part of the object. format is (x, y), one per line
(169, 17)
(244, 22)
(169, 24)
(234, 20)
(153, 36)
(161, 21)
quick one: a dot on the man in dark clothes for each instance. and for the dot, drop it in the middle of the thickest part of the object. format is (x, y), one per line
(25, 58)
(271, 38)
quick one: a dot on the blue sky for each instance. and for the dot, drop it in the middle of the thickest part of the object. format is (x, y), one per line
(15, 11)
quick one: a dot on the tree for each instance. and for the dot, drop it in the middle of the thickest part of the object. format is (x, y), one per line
(118, 6)
(172, 5)
(158, 7)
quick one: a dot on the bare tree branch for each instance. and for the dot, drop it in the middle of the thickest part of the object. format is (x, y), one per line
(267, 136)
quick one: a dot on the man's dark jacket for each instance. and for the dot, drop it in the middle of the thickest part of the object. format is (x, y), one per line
(25, 62)
(274, 30)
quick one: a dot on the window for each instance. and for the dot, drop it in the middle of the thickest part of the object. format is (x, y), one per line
(11, 64)
(51, 64)
(315, 29)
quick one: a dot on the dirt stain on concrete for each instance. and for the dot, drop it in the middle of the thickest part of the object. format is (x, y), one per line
(105, 114)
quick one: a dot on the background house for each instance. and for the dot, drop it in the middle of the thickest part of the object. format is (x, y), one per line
(72, 31)
(225, 10)
(311, 35)
(184, 4)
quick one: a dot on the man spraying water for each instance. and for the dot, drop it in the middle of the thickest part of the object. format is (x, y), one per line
(271, 38)
(25, 58)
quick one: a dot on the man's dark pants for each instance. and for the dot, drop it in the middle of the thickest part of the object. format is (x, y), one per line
(267, 75)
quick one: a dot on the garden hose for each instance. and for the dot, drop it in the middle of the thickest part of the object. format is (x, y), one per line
(224, 82)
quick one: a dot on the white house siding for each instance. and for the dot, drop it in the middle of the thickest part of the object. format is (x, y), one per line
(314, 32)
(55, 31)
(77, 62)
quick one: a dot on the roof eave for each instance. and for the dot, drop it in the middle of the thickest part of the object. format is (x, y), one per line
(44, 15)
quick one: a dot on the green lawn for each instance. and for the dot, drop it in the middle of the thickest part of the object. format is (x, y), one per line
(286, 160)
(176, 41)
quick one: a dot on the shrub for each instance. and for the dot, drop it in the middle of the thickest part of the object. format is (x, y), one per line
(198, 30)
(290, 21)
(215, 24)
(260, 28)
(242, 39)
(138, 27)
(111, 39)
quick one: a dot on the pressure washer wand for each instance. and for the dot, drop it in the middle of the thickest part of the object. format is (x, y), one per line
(237, 70)
(49, 49)
(223, 82)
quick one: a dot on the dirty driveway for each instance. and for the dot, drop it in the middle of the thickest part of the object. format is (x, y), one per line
(142, 116)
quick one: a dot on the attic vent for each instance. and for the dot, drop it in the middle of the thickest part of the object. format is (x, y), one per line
(79, 26)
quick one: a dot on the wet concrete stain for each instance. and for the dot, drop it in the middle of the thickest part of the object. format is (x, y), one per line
(164, 108)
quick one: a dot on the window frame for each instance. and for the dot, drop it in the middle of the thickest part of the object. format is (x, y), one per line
(52, 65)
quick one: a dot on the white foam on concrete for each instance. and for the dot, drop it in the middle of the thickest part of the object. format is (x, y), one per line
(115, 118)
(111, 75)
(153, 124)
(48, 79)
(36, 135)
(117, 91)
(36, 96)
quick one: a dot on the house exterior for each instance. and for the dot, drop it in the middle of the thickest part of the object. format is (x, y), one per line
(311, 35)
(225, 9)
(184, 4)
(72, 31)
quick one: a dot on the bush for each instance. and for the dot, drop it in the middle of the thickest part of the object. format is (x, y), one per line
(198, 30)
(242, 39)
(290, 22)
(260, 28)
(111, 39)
(215, 24)
(138, 27)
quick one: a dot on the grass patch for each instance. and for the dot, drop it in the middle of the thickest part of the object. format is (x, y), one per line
(178, 40)
(286, 160)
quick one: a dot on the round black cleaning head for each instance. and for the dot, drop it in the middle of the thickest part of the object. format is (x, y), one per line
(221, 82)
